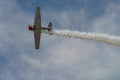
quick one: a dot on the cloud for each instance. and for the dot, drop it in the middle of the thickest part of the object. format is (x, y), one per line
(95, 66)
(59, 58)
(109, 20)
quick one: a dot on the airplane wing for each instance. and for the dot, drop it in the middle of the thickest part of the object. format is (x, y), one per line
(37, 20)
(37, 36)
(37, 28)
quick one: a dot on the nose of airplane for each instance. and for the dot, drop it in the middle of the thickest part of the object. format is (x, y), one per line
(30, 27)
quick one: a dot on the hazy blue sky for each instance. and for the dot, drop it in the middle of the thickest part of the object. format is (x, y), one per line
(59, 58)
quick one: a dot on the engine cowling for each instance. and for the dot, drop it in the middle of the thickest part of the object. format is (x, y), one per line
(30, 27)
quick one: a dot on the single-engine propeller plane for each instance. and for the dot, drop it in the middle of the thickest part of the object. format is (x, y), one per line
(37, 28)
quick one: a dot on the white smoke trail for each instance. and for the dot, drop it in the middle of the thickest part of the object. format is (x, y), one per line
(89, 36)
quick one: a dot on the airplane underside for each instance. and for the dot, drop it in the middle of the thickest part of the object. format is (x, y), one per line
(37, 28)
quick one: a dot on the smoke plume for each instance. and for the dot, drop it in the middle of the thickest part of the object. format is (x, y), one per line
(114, 40)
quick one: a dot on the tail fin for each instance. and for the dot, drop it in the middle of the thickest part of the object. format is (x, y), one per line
(50, 26)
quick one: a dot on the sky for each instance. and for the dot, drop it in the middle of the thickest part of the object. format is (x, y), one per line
(59, 58)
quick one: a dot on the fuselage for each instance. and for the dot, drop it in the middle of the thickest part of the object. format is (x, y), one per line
(37, 27)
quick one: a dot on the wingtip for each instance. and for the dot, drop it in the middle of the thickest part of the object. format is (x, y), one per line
(37, 7)
(37, 48)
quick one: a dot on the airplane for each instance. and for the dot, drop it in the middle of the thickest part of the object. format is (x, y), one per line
(37, 28)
